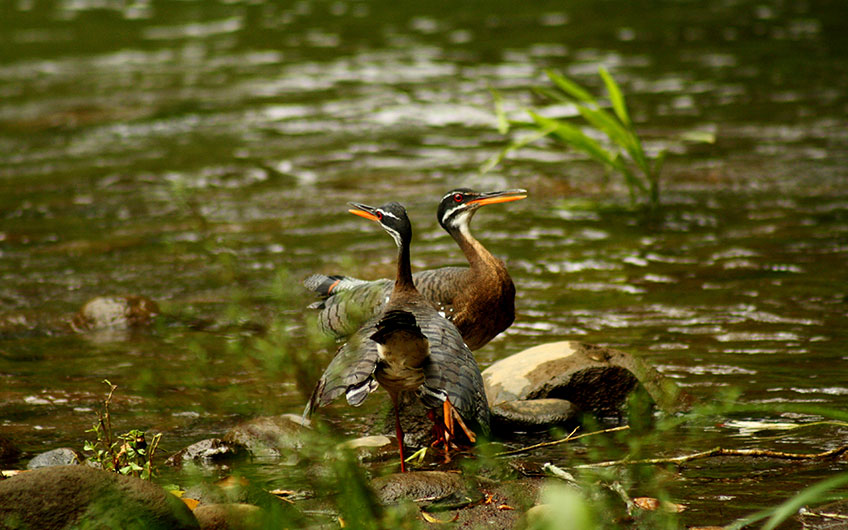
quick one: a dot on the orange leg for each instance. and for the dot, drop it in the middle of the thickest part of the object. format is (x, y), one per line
(399, 433)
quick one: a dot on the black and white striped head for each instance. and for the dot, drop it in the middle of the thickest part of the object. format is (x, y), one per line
(457, 207)
(391, 216)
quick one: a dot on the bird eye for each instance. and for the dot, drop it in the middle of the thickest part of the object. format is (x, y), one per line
(458, 197)
(379, 215)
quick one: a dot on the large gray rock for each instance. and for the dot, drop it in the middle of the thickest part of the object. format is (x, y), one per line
(82, 497)
(423, 487)
(532, 414)
(269, 436)
(63, 456)
(207, 452)
(115, 312)
(594, 378)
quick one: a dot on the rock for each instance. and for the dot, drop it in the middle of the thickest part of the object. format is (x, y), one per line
(269, 436)
(532, 414)
(9, 452)
(115, 312)
(82, 497)
(228, 517)
(422, 487)
(371, 448)
(506, 501)
(206, 452)
(63, 456)
(596, 379)
(237, 491)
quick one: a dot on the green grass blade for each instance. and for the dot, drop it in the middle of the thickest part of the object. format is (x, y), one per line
(570, 87)
(616, 97)
(498, 157)
(503, 122)
(552, 94)
(574, 137)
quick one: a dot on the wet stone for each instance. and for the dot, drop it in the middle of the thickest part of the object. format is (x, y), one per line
(236, 516)
(115, 312)
(83, 497)
(210, 451)
(64, 456)
(269, 436)
(595, 379)
(232, 490)
(422, 487)
(371, 448)
(532, 414)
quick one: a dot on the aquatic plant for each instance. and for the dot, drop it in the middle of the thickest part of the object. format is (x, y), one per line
(623, 152)
(127, 453)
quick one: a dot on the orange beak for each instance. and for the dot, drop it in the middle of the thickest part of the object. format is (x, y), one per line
(367, 215)
(496, 197)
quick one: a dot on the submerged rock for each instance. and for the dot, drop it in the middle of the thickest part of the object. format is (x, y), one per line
(596, 379)
(64, 456)
(232, 494)
(205, 452)
(83, 497)
(532, 414)
(424, 487)
(115, 312)
(236, 516)
(269, 436)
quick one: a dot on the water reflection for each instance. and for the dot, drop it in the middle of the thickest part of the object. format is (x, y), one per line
(191, 151)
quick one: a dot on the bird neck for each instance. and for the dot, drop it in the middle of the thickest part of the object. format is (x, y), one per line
(403, 280)
(476, 254)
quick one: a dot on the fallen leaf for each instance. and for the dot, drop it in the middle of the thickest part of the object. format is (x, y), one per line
(191, 503)
(430, 519)
(490, 498)
(505, 507)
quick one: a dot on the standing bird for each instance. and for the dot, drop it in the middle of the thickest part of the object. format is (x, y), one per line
(407, 347)
(479, 299)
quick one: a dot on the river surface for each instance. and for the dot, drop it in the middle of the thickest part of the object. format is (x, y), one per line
(202, 154)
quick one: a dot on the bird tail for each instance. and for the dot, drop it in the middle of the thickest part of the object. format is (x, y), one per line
(396, 321)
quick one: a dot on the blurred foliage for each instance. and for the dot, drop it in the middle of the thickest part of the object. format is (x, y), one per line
(623, 151)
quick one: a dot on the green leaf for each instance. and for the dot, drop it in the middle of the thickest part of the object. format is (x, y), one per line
(574, 137)
(503, 122)
(517, 144)
(616, 97)
(570, 87)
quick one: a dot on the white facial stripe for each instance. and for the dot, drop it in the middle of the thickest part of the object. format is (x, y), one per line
(395, 235)
(389, 214)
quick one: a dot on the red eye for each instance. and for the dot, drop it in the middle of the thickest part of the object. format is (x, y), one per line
(458, 197)
(379, 215)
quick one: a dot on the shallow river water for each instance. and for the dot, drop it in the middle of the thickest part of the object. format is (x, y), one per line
(202, 154)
